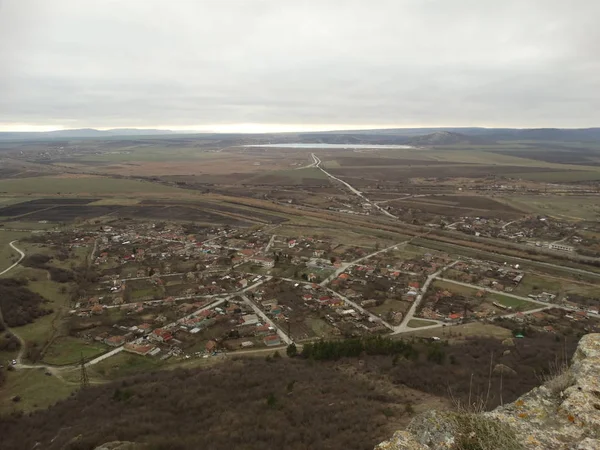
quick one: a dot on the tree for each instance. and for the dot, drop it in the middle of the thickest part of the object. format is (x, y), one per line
(292, 350)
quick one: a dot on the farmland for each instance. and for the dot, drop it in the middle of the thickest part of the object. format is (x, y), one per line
(181, 252)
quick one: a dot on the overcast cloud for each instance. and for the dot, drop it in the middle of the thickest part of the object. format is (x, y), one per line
(146, 63)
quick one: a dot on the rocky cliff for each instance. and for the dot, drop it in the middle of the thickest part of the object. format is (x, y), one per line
(563, 413)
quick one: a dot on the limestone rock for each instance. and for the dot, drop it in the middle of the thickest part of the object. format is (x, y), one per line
(562, 414)
(509, 342)
(503, 369)
(401, 440)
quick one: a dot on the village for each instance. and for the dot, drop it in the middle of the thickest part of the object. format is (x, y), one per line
(162, 291)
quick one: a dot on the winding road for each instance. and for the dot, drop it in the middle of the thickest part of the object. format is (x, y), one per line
(12, 245)
(317, 164)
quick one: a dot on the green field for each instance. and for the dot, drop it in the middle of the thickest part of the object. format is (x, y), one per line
(69, 350)
(8, 256)
(564, 176)
(456, 288)
(535, 284)
(42, 330)
(289, 176)
(124, 364)
(514, 303)
(84, 185)
(570, 207)
(418, 323)
(35, 389)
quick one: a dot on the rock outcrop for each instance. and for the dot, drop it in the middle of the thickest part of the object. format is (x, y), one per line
(120, 445)
(563, 413)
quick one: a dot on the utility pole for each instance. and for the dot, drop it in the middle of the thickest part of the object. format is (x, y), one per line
(84, 380)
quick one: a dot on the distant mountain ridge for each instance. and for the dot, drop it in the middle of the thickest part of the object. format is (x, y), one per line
(83, 133)
(412, 136)
(490, 134)
(445, 138)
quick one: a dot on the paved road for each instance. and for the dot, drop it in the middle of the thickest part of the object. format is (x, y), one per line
(270, 243)
(413, 308)
(284, 337)
(345, 266)
(493, 291)
(104, 356)
(12, 244)
(352, 189)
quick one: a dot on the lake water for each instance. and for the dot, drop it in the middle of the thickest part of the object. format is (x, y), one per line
(331, 146)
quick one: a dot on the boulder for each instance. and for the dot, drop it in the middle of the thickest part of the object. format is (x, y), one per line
(509, 342)
(504, 370)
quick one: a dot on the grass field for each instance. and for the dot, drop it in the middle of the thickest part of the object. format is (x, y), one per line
(514, 303)
(43, 328)
(456, 333)
(564, 176)
(83, 185)
(456, 288)
(35, 388)
(535, 284)
(8, 256)
(570, 207)
(124, 364)
(69, 350)
(418, 323)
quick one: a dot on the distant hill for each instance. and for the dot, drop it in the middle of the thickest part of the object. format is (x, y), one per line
(83, 133)
(490, 134)
(444, 138)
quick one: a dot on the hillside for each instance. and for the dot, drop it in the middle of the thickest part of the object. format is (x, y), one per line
(563, 413)
(348, 403)
(444, 138)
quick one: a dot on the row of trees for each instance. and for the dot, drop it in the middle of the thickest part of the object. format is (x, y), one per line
(377, 345)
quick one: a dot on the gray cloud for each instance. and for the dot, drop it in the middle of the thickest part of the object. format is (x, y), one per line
(385, 62)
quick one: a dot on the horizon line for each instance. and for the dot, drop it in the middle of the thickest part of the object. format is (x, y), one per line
(257, 128)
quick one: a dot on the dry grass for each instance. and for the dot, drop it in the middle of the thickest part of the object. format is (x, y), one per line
(477, 432)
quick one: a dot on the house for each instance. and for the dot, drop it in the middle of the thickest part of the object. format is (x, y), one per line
(268, 304)
(367, 303)
(455, 316)
(414, 285)
(97, 309)
(139, 349)
(145, 328)
(161, 335)
(115, 341)
(335, 302)
(264, 330)
(250, 319)
(344, 276)
(324, 299)
(271, 341)
(265, 262)
(520, 317)
(211, 346)
(243, 283)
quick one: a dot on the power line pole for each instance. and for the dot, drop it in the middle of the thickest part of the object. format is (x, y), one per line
(84, 380)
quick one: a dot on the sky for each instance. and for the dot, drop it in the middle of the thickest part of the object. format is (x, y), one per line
(275, 65)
